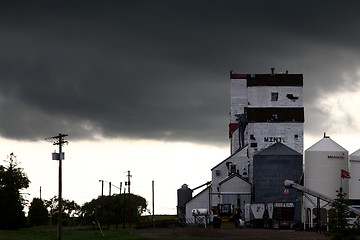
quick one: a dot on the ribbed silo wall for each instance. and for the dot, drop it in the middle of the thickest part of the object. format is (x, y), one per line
(323, 172)
(354, 181)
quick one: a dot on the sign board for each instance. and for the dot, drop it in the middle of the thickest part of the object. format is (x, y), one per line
(284, 205)
(57, 156)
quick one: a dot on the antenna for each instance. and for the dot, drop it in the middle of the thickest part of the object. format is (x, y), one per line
(272, 71)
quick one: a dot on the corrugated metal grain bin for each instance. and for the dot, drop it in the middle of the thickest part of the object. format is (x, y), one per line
(272, 167)
(184, 194)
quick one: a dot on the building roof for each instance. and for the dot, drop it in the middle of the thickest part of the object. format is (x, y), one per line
(232, 176)
(355, 155)
(238, 150)
(270, 79)
(326, 144)
(197, 195)
(278, 149)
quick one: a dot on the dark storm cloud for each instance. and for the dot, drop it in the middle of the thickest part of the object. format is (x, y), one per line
(160, 69)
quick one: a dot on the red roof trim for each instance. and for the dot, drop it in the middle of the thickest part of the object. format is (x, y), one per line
(232, 128)
(237, 76)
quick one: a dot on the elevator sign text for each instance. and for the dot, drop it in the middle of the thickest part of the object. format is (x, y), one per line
(274, 139)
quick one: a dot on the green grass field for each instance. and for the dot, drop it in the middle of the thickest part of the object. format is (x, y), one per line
(94, 233)
(76, 233)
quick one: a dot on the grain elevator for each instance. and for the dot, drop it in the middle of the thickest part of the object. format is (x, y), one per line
(266, 143)
(266, 138)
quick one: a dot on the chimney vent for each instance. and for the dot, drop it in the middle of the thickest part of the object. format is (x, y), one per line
(272, 71)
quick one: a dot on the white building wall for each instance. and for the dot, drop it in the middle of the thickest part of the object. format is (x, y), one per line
(263, 135)
(239, 97)
(236, 192)
(234, 141)
(199, 201)
(221, 172)
(266, 134)
(235, 185)
(260, 96)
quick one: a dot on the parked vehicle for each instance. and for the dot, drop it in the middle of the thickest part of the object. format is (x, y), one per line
(226, 212)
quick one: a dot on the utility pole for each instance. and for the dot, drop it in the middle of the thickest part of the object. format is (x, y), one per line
(129, 176)
(153, 204)
(119, 218)
(101, 201)
(59, 156)
(124, 207)
(129, 198)
(109, 205)
(109, 199)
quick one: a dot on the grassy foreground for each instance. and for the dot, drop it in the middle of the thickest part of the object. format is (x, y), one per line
(48, 233)
(51, 234)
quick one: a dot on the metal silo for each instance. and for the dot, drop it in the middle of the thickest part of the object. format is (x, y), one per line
(323, 163)
(354, 168)
(184, 194)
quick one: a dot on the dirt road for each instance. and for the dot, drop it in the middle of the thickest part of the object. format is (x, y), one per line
(234, 233)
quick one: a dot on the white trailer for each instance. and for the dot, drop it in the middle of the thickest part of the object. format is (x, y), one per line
(270, 215)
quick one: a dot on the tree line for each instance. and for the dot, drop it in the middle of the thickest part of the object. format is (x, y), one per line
(109, 210)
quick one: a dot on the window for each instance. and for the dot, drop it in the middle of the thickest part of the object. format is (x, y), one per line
(233, 169)
(274, 96)
(292, 97)
(253, 145)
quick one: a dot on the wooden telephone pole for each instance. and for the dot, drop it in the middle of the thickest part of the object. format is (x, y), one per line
(59, 156)
(129, 197)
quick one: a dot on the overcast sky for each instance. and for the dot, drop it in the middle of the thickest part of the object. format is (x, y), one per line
(159, 70)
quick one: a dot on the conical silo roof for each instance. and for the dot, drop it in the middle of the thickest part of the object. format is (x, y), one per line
(278, 149)
(326, 144)
(355, 155)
